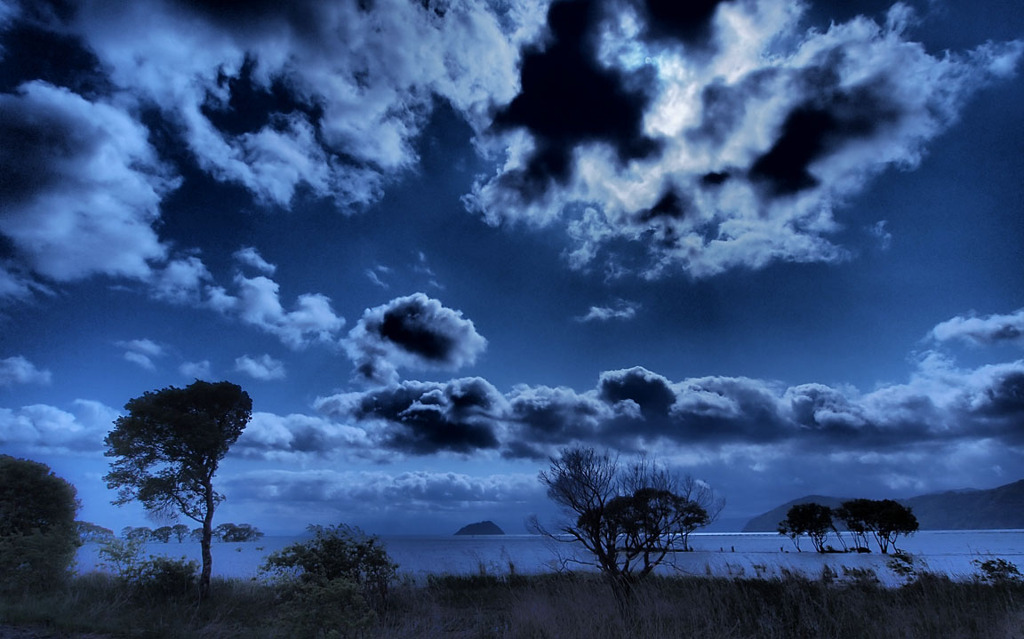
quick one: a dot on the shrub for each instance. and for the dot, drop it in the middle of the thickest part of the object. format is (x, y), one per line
(337, 552)
(156, 576)
(167, 577)
(333, 608)
(997, 571)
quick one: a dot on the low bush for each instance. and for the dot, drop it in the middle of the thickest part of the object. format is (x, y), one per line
(998, 571)
(155, 576)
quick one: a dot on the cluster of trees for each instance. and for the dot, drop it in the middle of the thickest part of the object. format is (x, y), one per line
(88, 531)
(628, 517)
(179, 532)
(884, 520)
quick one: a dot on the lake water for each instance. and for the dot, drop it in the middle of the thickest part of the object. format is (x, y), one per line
(721, 554)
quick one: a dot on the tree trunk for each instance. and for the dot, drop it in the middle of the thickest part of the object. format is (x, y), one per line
(204, 576)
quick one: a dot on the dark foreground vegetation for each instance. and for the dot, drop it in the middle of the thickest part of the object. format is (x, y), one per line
(565, 605)
(341, 583)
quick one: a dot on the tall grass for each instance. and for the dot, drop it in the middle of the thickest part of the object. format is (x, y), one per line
(557, 606)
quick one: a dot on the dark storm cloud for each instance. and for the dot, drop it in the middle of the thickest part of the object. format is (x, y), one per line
(567, 98)
(542, 416)
(423, 418)
(759, 136)
(820, 127)
(415, 331)
(636, 409)
(688, 22)
(992, 329)
(1003, 400)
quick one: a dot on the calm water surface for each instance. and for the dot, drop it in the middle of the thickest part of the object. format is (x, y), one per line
(723, 554)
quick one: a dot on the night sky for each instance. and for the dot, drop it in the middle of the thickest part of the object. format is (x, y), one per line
(776, 245)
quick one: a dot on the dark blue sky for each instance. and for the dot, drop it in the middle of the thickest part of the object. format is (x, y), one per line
(776, 245)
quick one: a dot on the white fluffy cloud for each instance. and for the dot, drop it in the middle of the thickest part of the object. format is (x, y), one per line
(263, 367)
(82, 190)
(196, 370)
(991, 329)
(621, 310)
(249, 256)
(47, 429)
(256, 301)
(341, 60)
(142, 352)
(18, 370)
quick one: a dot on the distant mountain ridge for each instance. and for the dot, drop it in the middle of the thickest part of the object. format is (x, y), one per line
(965, 509)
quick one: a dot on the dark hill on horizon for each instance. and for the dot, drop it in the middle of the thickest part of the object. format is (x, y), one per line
(969, 509)
(481, 528)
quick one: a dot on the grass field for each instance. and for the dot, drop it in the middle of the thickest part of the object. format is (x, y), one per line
(557, 605)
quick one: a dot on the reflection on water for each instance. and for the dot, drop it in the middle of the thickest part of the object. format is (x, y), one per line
(723, 554)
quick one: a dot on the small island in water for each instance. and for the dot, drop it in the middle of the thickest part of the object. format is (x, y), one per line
(481, 528)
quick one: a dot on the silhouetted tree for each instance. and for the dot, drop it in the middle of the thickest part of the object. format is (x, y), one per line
(813, 520)
(237, 532)
(892, 519)
(140, 534)
(88, 532)
(163, 534)
(168, 448)
(38, 533)
(856, 515)
(629, 518)
(180, 532)
(885, 520)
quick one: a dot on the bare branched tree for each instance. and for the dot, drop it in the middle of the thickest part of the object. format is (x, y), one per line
(629, 518)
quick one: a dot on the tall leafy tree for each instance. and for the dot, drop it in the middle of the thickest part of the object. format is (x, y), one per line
(167, 450)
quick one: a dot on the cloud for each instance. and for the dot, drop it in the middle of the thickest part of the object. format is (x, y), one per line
(636, 409)
(416, 332)
(311, 95)
(180, 281)
(264, 367)
(736, 141)
(82, 188)
(399, 493)
(561, 80)
(196, 370)
(18, 370)
(257, 302)
(374, 275)
(297, 437)
(249, 256)
(142, 352)
(992, 329)
(622, 310)
(43, 429)
(423, 418)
